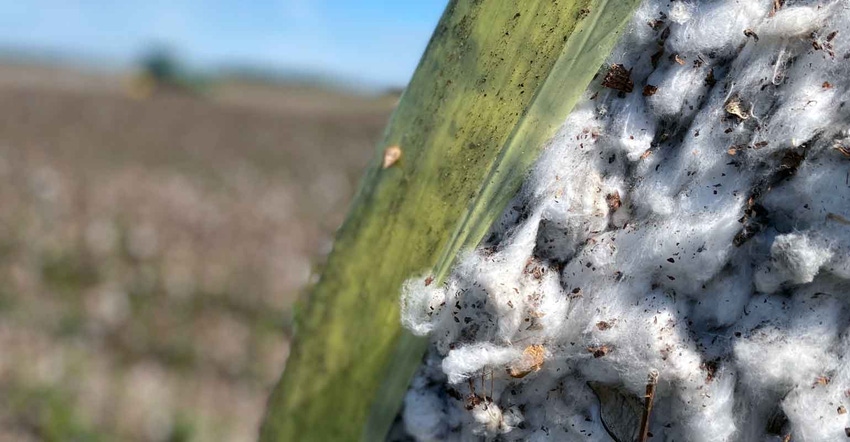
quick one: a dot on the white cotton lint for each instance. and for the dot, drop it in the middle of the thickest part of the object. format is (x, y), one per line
(794, 21)
(699, 231)
(421, 305)
(424, 415)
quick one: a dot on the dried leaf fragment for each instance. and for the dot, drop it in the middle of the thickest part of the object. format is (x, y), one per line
(531, 360)
(575, 293)
(649, 90)
(598, 350)
(819, 44)
(710, 368)
(839, 219)
(391, 155)
(842, 149)
(790, 162)
(734, 107)
(619, 78)
(656, 57)
(613, 200)
(821, 380)
(620, 411)
(605, 325)
(710, 81)
(534, 269)
(777, 5)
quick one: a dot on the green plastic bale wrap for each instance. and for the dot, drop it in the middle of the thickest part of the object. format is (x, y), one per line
(496, 81)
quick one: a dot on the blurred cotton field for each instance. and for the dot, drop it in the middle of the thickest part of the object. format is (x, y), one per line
(151, 249)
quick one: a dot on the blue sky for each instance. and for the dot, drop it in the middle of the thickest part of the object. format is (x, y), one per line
(376, 42)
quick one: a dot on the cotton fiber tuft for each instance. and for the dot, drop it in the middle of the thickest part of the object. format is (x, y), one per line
(696, 229)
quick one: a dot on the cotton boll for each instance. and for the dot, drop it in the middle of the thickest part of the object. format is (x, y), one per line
(490, 419)
(465, 361)
(840, 264)
(795, 359)
(578, 428)
(819, 316)
(560, 234)
(813, 414)
(641, 338)
(751, 82)
(424, 415)
(421, 303)
(575, 211)
(794, 21)
(801, 115)
(708, 414)
(770, 362)
(725, 297)
(512, 417)
(634, 127)
(718, 27)
(679, 89)
(683, 254)
(556, 306)
(639, 32)
(498, 275)
(565, 410)
(795, 259)
(819, 188)
(761, 312)
(576, 141)
(681, 12)
(652, 197)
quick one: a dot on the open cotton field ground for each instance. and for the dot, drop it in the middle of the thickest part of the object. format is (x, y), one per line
(151, 249)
